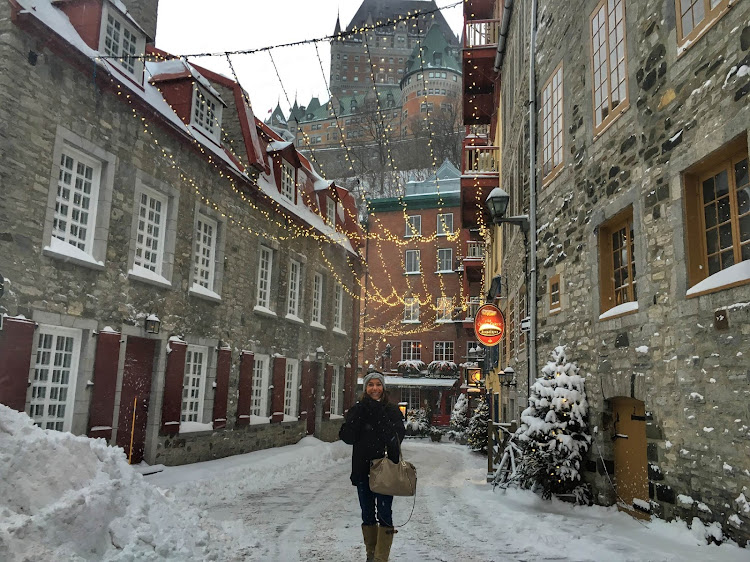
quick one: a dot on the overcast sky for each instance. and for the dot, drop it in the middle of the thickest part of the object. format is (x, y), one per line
(195, 26)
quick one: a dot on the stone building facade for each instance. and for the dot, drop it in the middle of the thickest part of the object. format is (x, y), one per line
(643, 222)
(172, 266)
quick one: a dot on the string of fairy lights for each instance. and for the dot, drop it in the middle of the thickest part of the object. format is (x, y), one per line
(293, 231)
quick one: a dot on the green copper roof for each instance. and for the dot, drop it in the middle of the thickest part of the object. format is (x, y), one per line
(414, 202)
(434, 43)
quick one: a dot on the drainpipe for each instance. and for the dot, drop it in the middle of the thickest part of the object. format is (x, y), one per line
(532, 200)
(507, 9)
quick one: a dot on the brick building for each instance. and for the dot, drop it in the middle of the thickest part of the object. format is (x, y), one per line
(415, 294)
(643, 222)
(172, 264)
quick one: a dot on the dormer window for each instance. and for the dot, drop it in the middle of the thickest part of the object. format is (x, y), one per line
(123, 40)
(331, 212)
(206, 112)
(287, 180)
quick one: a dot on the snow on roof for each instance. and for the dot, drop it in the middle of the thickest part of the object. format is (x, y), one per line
(275, 146)
(416, 381)
(180, 67)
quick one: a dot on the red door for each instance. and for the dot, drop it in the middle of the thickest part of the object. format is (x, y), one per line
(136, 387)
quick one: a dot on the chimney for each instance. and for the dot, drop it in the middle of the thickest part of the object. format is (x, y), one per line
(144, 12)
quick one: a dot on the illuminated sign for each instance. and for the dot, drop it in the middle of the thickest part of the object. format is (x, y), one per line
(489, 325)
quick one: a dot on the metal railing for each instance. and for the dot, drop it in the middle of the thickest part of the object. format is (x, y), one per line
(481, 33)
(474, 304)
(481, 160)
(475, 250)
(482, 131)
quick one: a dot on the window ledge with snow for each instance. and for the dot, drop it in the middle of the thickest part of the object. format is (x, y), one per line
(411, 322)
(139, 273)
(413, 273)
(734, 276)
(339, 331)
(555, 310)
(288, 418)
(317, 325)
(202, 293)
(259, 420)
(294, 318)
(443, 321)
(442, 271)
(195, 427)
(619, 310)
(337, 417)
(264, 311)
(67, 252)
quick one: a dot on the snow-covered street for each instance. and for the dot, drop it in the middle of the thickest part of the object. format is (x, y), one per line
(296, 503)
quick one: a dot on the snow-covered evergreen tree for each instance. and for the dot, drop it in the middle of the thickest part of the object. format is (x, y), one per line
(459, 420)
(416, 423)
(477, 432)
(554, 434)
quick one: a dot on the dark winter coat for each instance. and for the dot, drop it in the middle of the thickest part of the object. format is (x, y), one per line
(371, 426)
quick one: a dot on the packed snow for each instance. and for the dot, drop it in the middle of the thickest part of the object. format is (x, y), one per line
(65, 497)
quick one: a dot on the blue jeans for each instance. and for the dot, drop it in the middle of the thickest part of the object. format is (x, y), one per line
(369, 500)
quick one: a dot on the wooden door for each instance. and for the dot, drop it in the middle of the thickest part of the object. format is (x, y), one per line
(136, 388)
(631, 470)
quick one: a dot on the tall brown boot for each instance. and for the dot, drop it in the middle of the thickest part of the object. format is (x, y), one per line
(370, 534)
(385, 540)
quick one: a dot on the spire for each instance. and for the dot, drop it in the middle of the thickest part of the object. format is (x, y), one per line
(337, 30)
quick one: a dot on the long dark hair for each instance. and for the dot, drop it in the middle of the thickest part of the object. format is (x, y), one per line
(383, 399)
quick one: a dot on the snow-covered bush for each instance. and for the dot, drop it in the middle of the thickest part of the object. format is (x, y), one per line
(477, 432)
(459, 420)
(442, 369)
(412, 367)
(554, 434)
(417, 423)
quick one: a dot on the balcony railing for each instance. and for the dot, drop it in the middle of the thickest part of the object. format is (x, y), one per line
(475, 250)
(481, 160)
(482, 131)
(481, 33)
(474, 304)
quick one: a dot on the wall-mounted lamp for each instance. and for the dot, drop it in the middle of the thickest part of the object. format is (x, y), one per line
(152, 324)
(320, 353)
(507, 376)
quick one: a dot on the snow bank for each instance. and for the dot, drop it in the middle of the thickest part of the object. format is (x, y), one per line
(66, 497)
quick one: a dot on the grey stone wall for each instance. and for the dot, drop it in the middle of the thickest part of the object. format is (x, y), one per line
(51, 95)
(692, 373)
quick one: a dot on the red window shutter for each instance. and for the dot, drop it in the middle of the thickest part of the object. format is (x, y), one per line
(223, 366)
(16, 342)
(102, 407)
(172, 404)
(277, 396)
(327, 392)
(245, 388)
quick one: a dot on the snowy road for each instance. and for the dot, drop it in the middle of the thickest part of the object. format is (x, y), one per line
(296, 504)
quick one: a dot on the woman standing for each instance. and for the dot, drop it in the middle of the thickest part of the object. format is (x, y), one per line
(373, 425)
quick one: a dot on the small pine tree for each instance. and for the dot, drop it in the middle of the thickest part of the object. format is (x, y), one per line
(459, 418)
(554, 433)
(477, 432)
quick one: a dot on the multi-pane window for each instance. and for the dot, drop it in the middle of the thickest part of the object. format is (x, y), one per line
(411, 350)
(265, 264)
(122, 42)
(76, 202)
(317, 304)
(521, 316)
(337, 391)
(206, 112)
(444, 308)
(445, 259)
(552, 123)
(444, 224)
(443, 351)
(338, 306)
(331, 212)
(554, 293)
(411, 396)
(413, 225)
(694, 16)
(194, 384)
(608, 62)
(150, 231)
(55, 369)
(204, 257)
(411, 309)
(295, 271)
(511, 328)
(260, 386)
(618, 261)
(291, 385)
(412, 261)
(287, 180)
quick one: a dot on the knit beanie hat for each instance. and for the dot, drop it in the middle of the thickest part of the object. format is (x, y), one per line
(373, 375)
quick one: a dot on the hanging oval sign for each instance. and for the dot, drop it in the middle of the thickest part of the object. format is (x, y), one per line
(489, 325)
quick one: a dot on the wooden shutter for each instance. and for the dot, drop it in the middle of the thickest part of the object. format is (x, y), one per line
(327, 392)
(221, 396)
(245, 388)
(277, 394)
(16, 342)
(102, 407)
(172, 403)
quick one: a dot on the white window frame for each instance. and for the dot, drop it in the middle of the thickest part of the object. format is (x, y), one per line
(411, 259)
(441, 261)
(143, 210)
(338, 309)
(265, 271)
(337, 389)
(291, 387)
(288, 181)
(443, 355)
(261, 366)
(140, 43)
(413, 226)
(331, 212)
(412, 396)
(42, 391)
(444, 309)
(442, 221)
(204, 251)
(414, 352)
(411, 309)
(194, 384)
(295, 284)
(317, 305)
(207, 118)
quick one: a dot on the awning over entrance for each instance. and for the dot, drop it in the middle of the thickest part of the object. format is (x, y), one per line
(424, 382)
